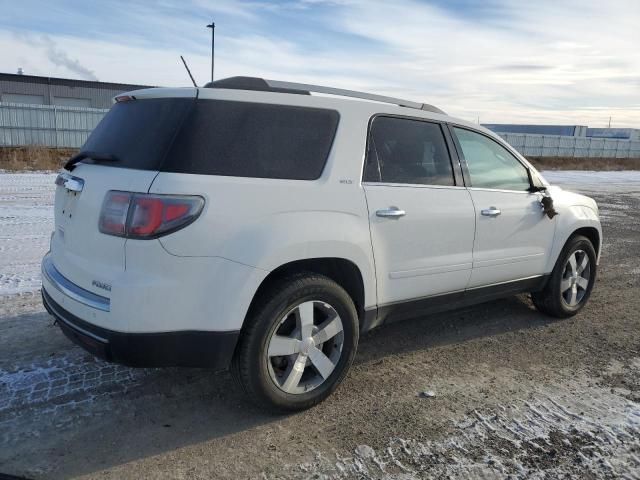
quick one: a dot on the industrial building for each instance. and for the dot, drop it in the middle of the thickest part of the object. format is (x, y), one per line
(632, 134)
(63, 92)
(60, 112)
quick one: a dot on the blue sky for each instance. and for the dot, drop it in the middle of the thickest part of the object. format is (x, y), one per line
(499, 60)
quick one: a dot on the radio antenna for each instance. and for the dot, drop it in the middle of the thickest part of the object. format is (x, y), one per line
(188, 71)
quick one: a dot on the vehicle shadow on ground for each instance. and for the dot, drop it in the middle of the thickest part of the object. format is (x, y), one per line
(451, 327)
(155, 411)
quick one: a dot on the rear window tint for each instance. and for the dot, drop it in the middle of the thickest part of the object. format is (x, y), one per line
(138, 133)
(253, 140)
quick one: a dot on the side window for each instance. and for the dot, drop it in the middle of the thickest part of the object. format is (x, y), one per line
(490, 164)
(407, 151)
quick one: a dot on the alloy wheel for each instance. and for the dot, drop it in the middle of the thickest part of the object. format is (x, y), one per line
(305, 347)
(575, 279)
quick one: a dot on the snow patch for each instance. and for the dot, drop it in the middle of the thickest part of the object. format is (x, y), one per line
(26, 223)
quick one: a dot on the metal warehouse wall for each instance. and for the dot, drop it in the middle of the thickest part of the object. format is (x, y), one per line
(577, 147)
(97, 94)
(46, 125)
(56, 126)
(566, 130)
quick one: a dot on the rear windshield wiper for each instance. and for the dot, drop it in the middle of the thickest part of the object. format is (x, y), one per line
(96, 156)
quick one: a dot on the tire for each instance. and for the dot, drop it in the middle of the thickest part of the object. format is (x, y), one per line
(276, 336)
(557, 298)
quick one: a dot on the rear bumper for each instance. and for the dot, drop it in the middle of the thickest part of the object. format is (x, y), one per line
(165, 349)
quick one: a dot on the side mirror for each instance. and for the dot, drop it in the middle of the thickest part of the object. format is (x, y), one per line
(535, 185)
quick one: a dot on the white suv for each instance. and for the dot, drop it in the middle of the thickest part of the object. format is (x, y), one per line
(252, 225)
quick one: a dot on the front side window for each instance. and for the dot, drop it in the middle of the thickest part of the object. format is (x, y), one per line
(490, 164)
(407, 151)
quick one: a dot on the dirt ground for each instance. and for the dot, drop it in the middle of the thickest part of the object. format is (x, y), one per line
(512, 393)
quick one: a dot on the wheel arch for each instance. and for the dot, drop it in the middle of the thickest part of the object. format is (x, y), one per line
(575, 220)
(341, 270)
(592, 234)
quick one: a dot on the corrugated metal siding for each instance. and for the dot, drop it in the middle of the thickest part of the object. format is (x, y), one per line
(46, 125)
(563, 146)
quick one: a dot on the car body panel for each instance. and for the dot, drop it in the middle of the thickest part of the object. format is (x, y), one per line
(80, 252)
(429, 250)
(513, 244)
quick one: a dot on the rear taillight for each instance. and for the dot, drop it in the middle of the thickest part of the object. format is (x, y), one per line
(144, 216)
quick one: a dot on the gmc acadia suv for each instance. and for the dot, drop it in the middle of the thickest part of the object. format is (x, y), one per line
(250, 224)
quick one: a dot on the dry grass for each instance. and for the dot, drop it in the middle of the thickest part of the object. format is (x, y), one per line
(569, 163)
(43, 158)
(34, 158)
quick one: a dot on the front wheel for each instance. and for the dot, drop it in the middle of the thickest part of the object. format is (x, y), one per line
(571, 282)
(299, 341)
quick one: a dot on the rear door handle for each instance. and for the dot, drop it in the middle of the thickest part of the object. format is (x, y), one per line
(391, 212)
(70, 182)
(491, 212)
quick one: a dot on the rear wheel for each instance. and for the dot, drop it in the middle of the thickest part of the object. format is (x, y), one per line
(299, 341)
(571, 282)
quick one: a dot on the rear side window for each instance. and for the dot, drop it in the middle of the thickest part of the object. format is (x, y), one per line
(253, 140)
(138, 133)
(407, 151)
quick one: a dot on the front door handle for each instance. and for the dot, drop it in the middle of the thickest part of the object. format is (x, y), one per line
(391, 212)
(491, 212)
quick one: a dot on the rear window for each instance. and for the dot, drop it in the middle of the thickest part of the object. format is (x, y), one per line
(216, 137)
(253, 140)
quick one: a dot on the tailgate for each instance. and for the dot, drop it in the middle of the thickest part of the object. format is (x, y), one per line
(86, 257)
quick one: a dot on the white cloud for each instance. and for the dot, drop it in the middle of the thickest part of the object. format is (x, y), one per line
(560, 62)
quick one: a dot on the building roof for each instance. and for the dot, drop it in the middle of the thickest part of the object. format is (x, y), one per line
(69, 82)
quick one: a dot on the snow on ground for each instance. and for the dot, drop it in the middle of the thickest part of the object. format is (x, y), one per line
(26, 223)
(532, 439)
(583, 177)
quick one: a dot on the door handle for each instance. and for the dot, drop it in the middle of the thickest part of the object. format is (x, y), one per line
(74, 184)
(70, 182)
(391, 212)
(491, 212)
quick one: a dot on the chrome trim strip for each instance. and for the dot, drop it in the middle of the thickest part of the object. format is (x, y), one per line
(413, 185)
(501, 190)
(71, 290)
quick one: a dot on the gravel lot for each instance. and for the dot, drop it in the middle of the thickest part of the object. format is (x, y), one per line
(515, 394)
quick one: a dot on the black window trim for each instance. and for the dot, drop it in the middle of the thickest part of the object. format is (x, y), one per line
(458, 181)
(465, 166)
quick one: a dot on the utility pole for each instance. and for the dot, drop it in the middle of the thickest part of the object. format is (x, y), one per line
(212, 26)
(609, 122)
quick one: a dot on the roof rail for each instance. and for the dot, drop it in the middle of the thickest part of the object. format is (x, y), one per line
(260, 84)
